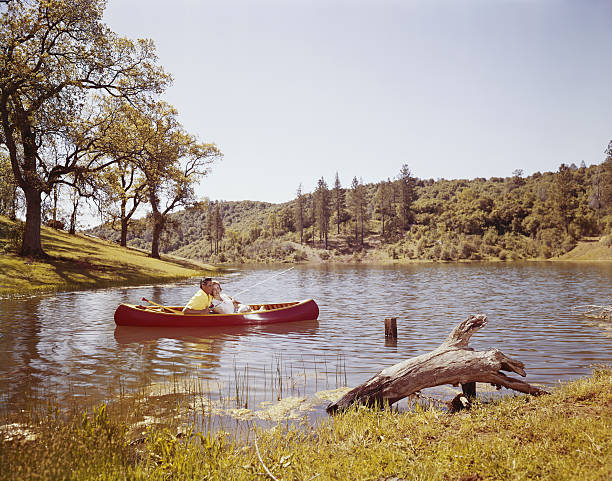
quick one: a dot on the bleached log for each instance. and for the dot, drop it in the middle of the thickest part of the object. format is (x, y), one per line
(453, 362)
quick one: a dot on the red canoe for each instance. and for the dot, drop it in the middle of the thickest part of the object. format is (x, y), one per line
(172, 316)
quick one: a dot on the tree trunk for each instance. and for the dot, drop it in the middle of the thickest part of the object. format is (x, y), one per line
(453, 362)
(31, 245)
(124, 223)
(362, 231)
(158, 225)
(73, 217)
(55, 207)
(72, 229)
(124, 229)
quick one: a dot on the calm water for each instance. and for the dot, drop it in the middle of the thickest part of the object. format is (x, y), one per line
(66, 345)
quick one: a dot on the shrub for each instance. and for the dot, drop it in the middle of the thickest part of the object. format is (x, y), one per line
(446, 254)
(420, 247)
(466, 249)
(567, 244)
(299, 256)
(545, 252)
(14, 235)
(490, 237)
(490, 250)
(606, 241)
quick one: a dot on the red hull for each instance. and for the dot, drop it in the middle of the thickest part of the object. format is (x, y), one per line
(131, 315)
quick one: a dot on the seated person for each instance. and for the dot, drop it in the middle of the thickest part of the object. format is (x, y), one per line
(201, 300)
(224, 304)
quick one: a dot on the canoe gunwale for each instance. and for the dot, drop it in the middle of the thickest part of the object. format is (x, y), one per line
(177, 310)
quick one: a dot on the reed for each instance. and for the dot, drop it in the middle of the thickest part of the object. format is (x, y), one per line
(565, 435)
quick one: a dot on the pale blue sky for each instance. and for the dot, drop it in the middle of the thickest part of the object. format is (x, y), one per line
(295, 90)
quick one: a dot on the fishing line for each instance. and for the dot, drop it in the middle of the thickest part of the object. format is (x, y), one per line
(265, 280)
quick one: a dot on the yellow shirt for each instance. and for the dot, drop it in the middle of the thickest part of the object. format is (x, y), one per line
(199, 301)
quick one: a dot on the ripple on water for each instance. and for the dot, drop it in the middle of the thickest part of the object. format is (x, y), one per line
(68, 343)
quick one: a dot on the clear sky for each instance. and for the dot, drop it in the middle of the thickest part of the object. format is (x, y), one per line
(295, 90)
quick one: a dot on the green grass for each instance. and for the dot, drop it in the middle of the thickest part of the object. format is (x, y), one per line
(566, 435)
(78, 262)
(591, 249)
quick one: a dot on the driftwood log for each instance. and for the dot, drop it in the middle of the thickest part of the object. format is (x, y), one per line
(453, 362)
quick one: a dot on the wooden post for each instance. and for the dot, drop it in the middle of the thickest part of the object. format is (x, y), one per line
(391, 327)
(390, 341)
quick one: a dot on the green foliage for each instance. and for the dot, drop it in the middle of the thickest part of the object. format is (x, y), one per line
(338, 200)
(54, 56)
(10, 199)
(358, 209)
(321, 207)
(11, 235)
(540, 216)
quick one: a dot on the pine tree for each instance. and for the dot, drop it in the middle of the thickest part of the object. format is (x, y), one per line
(210, 225)
(272, 222)
(564, 197)
(358, 208)
(339, 202)
(322, 210)
(299, 213)
(219, 227)
(606, 168)
(407, 195)
(384, 203)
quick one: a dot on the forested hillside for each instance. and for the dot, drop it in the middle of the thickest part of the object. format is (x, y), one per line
(539, 216)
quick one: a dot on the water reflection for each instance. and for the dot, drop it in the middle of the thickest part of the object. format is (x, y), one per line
(67, 343)
(19, 355)
(131, 334)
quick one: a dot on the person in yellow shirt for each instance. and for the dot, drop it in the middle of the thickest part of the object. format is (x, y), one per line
(201, 300)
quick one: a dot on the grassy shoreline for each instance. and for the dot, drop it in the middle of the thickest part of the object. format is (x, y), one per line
(374, 252)
(82, 262)
(586, 251)
(562, 436)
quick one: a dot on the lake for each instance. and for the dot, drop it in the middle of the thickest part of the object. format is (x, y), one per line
(66, 345)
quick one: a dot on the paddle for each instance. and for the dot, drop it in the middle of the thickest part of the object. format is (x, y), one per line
(166, 309)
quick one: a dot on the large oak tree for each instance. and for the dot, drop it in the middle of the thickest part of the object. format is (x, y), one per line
(53, 55)
(171, 160)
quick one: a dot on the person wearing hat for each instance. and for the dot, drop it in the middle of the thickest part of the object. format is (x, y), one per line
(201, 300)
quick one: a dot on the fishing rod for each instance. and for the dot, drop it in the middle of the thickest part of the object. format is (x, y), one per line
(265, 280)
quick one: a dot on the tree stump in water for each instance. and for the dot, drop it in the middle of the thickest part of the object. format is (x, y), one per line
(391, 327)
(453, 362)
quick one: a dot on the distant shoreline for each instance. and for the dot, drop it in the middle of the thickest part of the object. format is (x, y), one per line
(587, 250)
